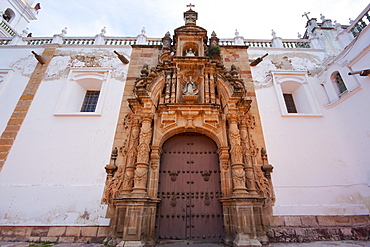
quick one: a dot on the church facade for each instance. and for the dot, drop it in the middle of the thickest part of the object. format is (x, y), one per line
(190, 137)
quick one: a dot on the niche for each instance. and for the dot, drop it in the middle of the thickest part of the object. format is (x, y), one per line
(190, 49)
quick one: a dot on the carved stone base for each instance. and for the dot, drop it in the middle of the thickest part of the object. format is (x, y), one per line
(245, 221)
(134, 220)
(190, 98)
(243, 240)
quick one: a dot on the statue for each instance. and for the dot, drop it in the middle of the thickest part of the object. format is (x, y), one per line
(236, 33)
(322, 17)
(190, 88)
(273, 33)
(103, 31)
(64, 32)
(190, 53)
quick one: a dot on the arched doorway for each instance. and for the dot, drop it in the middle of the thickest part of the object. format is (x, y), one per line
(189, 189)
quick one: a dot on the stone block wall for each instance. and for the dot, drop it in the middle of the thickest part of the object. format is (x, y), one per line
(319, 228)
(60, 234)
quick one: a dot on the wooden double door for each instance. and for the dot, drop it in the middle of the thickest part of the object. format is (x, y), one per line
(189, 189)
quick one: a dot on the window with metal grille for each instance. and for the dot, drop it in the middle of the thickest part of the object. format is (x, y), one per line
(340, 82)
(289, 102)
(90, 101)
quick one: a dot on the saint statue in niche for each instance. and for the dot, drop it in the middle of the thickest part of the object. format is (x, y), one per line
(190, 53)
(190, 88)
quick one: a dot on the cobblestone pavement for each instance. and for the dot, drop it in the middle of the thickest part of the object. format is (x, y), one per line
(311, 244)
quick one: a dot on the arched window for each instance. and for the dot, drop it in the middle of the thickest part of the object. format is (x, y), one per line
(8, 15)
(338, 83)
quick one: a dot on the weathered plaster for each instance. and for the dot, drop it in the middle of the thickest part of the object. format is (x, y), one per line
(64, 60)
(25, 65)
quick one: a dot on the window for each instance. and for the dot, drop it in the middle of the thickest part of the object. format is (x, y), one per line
(294, 94)
(90, 101)
(289, 102)
(8, 15)
(339, 85)
(83, 92)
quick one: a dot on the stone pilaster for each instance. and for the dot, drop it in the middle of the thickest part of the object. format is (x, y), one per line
(155, 157)
(226, 182)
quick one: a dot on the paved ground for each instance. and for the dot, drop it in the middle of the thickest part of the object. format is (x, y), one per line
(312, 244)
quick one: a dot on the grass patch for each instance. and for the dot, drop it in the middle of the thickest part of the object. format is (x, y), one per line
(42, 244)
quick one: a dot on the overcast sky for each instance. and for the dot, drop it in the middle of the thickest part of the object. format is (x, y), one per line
(253, 19)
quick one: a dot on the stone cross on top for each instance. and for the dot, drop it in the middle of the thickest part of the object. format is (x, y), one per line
(190, 5)
(190, 16)
(306, 14)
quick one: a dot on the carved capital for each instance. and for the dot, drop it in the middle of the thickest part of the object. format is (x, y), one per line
(233, 117)
(147, 117)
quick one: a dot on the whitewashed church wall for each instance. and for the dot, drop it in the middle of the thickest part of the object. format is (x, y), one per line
(319, 168)
(15, 72)
(54, 174)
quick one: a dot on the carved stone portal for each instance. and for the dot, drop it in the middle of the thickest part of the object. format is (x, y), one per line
(190, 94)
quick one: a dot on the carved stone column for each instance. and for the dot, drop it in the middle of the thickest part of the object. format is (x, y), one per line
(245, 136)
(128, 178)
(237, 166)
(142, 162)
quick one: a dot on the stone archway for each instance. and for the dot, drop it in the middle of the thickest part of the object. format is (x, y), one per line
(189, 190)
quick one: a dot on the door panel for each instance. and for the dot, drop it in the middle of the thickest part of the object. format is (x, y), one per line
(189, 190)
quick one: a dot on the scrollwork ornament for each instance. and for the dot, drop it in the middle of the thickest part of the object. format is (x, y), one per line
(113, 186)
(251, 121)
(264, 188)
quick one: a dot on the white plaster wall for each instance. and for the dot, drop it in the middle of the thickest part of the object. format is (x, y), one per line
(54, 174)
(319, 162)
(20, 63)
